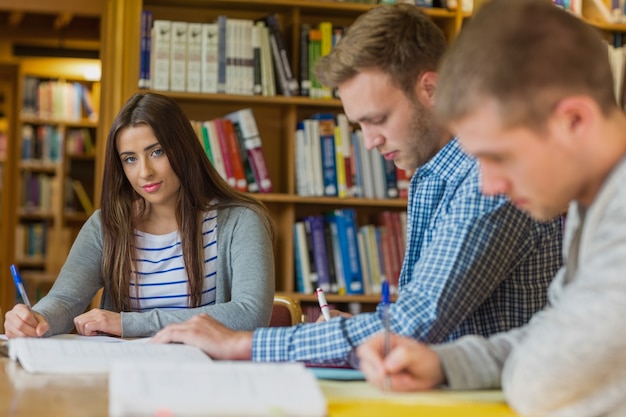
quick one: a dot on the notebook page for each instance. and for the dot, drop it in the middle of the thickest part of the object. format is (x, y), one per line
(225, 388)
(63, 356)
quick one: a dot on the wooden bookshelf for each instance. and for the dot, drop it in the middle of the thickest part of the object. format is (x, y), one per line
(47, 212)
(276, 116)
(9, 90)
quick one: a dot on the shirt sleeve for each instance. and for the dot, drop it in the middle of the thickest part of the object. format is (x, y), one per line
(572, 361)
(78, 281)
(475, 246)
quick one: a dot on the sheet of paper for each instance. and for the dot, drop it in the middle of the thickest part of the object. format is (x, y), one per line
(351, 391)
(70, 356)
(221, 388)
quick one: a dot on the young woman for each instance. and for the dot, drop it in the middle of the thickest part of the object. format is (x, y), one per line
(172, 239)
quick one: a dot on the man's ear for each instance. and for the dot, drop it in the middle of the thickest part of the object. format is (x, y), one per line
(425, 88)
(573, 116)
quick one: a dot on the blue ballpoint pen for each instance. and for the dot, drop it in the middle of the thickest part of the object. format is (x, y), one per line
(384, 304)
(20, 286)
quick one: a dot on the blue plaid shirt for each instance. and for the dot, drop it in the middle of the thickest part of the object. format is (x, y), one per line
(473, 265)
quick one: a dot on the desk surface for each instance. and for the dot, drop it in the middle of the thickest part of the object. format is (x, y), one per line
(23, 394)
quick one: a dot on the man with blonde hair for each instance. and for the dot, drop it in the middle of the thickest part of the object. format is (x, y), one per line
(529, 90)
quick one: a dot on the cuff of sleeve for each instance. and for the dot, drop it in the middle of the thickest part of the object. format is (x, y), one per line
(269, 344)
(130, 327)
(465, 366)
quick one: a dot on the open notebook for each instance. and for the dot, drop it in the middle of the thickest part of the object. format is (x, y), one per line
(220, 388)
(73, 354)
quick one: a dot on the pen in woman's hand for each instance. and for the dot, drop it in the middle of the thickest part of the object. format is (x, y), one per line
(321, 299)
(20, 286)
(384, 304)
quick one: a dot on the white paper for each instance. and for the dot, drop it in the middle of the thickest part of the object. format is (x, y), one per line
(224, 388)
(75, 355)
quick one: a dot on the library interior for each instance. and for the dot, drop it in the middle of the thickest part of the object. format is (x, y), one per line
(242, 72)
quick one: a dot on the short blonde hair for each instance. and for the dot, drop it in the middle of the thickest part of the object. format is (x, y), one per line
(398, 39)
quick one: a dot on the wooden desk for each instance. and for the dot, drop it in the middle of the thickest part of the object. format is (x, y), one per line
(26, 395)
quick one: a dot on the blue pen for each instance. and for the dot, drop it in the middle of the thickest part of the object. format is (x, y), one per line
(20, 285)
(384, 304)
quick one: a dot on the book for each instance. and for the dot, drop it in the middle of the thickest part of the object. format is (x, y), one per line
(305, 79)
(194, 57)
(72, 354)
(216, 149)
(268, 81)
(252, 186)
(282, 64)
(312, 130)
(301, 258)
(145, 47)
(232, 145)
(83, 198)
(160, 54)
(221, 53)
(178, 56)
(224, 388)
(209, 57)
(315, 224)
(326, 128)
(253, 145)
(257, 73)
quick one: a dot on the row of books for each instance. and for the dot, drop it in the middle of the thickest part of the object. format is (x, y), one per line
(334, 253)
(79, 141)
(30, 240)
(38, 194)
(57, 99)
(234, 56)
(42, 142)
(233, 144)
(37, 191)
(331, 160)
(316, 41)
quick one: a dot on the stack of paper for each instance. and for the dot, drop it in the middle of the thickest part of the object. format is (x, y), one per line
(93, 355)
(214, 389)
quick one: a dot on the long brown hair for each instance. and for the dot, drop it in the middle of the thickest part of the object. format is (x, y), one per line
(122, 207)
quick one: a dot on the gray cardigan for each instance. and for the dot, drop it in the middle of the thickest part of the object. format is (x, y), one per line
(245, 280)
(570, 359)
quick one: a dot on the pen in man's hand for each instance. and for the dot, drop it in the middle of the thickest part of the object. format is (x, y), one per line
(321, 299)
(384, 304)
(20, 286)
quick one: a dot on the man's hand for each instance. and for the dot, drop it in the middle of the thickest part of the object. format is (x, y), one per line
(97, 321)
(20, 321)
(409, 366)
(206, 333)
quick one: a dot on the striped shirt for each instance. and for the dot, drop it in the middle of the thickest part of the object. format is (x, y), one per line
(473, 264)
(163, 282)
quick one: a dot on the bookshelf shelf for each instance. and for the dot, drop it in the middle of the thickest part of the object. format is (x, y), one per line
(60, 122)
(253, 100)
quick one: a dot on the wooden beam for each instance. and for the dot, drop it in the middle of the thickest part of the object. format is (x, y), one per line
(78, 7)
(15, 18)
(63, 20)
